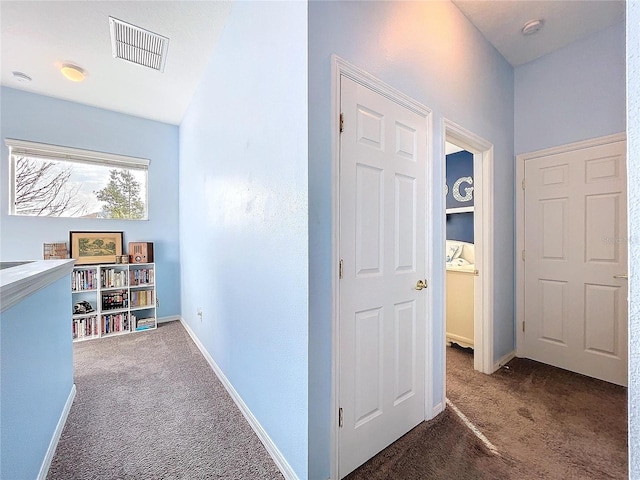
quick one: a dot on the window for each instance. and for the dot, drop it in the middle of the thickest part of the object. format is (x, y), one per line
(54, 181)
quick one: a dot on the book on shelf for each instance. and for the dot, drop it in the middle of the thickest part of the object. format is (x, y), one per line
(144, 327)
(142, 298)
(115, 300)
(115, 323)
(83, 280)
(141, 276)
(113, 278)
(145, 323)
(84, 327)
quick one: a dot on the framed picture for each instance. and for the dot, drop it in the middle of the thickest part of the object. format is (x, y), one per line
(95, 247)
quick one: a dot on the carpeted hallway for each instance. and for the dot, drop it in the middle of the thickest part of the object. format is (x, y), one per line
(149, 406)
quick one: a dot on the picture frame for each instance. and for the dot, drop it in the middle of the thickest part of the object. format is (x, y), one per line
(90, 248)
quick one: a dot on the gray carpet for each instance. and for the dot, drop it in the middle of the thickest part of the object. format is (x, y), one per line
(441, 449)
(546, 423)
(554, 423)
(148, 406)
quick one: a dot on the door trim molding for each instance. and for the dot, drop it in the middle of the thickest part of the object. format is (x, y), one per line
(520, 245)
(483, 228)
(340, 67)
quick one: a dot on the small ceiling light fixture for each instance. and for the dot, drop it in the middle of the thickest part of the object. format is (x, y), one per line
(21, 77)
(73, 72)
(532, 26)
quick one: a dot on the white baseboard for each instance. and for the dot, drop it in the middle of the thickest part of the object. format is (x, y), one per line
(171, 318)
(53, 444)
(271, 447)
(503, 360)
(437, 409)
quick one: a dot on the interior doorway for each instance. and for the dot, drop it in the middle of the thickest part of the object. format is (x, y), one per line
(460, 262)
(472, 277)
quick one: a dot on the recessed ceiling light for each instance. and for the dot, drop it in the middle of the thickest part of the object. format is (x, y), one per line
(21, 77)
(532, 26)
(73, 72)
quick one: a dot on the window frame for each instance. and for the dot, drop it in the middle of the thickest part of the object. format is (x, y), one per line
(43, 151)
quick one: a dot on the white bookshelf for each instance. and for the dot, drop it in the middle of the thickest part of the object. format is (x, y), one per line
(122, 296)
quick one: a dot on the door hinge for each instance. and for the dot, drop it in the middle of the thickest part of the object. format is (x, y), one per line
(341, 122)
(340, 419)
(523, 326)
(523, 255)
(523, 183)
(340, 269)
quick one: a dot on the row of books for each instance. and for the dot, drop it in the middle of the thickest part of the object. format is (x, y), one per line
(84, 327)
(110, 278)
(115, 323)
(88, 327)
(145, 323)
(83, 280)
(141, 298)
(142, 276)
(115, 300)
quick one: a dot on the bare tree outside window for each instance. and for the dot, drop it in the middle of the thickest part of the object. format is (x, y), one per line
(43, 188)
(56, 181)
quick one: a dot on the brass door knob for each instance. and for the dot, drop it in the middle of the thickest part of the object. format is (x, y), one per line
(421, 284)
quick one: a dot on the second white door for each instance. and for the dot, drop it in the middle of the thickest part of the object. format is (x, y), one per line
(575, 297)
(382, 246)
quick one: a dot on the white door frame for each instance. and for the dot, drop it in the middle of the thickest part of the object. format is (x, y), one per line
(520, 246)
(483, 230)
(341, 67)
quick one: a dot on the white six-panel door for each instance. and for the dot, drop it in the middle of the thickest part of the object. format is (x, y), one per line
(575, 292)
(382, 247)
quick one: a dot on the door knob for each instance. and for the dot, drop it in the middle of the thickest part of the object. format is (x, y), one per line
(624, 275)
(421, 284)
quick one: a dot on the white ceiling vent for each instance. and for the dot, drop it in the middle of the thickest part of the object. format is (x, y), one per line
(137, 45)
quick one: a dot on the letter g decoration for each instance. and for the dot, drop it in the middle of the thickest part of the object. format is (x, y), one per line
(468, 190)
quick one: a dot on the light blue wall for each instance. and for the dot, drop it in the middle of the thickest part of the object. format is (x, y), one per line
(26, 116)
(36, 376)
(633, 169)
(573, 94)
(431, 52)
(243, 216)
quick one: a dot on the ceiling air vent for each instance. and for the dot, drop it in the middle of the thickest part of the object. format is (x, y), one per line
(137, 45)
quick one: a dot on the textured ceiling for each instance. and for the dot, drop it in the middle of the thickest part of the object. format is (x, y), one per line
(38, 36)
(565, 22)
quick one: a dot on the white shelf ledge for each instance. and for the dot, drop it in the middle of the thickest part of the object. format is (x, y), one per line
(460, 210)
(17, 283)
